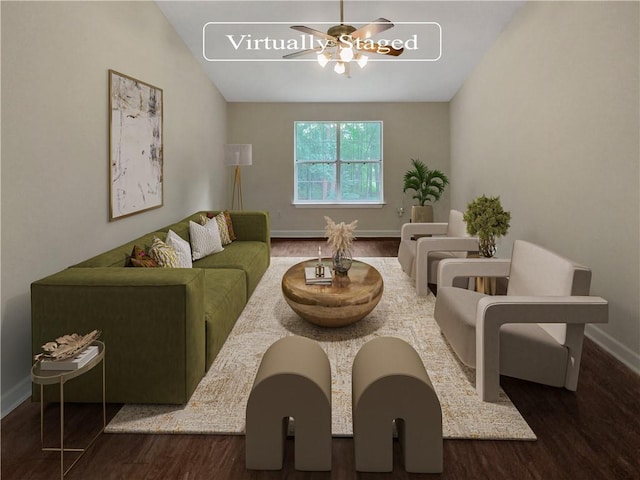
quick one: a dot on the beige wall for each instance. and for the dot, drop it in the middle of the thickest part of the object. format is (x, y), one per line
(55, 58)
(549, 121)
(411, 130)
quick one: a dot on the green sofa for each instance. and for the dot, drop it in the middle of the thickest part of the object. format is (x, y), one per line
(162, 327)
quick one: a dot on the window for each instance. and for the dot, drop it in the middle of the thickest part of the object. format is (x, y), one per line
(338, 162)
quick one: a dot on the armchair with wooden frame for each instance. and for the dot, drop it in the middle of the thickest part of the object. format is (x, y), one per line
(534, 332)
(424, 245)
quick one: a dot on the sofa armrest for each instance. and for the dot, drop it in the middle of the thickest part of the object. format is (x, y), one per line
(450, 268)
(252, 226)
(410, 229)
(493, 312)
(152, 323)
(437, 244)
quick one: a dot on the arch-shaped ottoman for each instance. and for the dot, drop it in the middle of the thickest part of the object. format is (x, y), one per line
(390, 383)
(293, 380)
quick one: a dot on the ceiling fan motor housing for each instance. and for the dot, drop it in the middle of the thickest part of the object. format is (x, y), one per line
(339, 30)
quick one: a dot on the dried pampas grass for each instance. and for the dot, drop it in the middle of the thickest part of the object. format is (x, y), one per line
(340, 235)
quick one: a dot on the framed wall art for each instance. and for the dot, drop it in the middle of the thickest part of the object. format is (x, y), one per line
(135, 146)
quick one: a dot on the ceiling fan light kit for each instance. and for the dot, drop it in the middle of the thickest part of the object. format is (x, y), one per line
(323, 59)
(344, 43)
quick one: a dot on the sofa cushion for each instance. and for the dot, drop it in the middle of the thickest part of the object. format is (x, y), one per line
(524, 346)
(224, 299)
(251, 257)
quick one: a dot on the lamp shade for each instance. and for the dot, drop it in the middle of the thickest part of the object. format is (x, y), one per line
(237, 154)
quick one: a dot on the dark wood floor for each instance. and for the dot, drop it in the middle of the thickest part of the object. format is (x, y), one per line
(593, 433)
(308, 247)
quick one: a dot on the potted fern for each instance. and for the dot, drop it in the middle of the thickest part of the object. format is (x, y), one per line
(428, 185)
(486, 218)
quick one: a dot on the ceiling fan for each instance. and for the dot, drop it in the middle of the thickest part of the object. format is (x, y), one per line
(344, 43)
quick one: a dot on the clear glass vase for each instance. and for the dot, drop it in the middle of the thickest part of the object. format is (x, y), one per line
(342, 261)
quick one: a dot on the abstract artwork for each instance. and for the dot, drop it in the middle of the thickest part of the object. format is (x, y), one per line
(135, 146)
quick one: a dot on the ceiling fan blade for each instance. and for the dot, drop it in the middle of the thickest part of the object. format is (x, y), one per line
(302, 52)
(311, 31)
(375, 27)
(371, 47)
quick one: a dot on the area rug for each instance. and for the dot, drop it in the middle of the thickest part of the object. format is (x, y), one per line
(219, 402)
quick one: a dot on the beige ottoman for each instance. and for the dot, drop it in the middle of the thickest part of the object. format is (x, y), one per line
(293, 380)
(390, 383)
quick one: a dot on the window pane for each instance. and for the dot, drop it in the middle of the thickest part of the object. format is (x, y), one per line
(360, 141)
(338, 161)
(361, 182)
(316, 181)
(316, 141)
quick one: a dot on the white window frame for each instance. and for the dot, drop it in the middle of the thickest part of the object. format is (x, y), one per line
(338, 203)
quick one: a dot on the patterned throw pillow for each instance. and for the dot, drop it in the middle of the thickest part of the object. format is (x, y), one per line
(139, 258)
(222, 226)
(227, 217)
(205, 239)
(182, 248)
(164, 255)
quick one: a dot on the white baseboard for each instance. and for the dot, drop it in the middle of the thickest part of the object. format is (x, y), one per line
(14, 397)
(321, 234)
(621, 352)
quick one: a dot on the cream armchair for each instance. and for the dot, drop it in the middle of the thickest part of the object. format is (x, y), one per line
(419, 256)
(535, 332)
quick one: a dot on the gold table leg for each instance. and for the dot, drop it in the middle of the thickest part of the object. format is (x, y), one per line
(61, 449)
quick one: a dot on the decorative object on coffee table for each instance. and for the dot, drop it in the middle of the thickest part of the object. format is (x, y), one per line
(486, 218)
(340, 238)
(428, 185)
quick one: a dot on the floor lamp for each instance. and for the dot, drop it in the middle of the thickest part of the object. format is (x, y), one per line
(236, 155)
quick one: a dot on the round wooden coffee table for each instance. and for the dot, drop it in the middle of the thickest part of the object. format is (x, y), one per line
(347, 300)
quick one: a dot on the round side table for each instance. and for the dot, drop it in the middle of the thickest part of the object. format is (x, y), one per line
(60, 377)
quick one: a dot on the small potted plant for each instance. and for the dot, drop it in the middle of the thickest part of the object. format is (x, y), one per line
(486, 218)
(428, 185)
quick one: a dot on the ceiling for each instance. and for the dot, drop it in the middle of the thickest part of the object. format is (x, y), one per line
(449, 39)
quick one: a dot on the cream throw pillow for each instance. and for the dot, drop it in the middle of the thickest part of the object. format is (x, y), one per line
(222, 226)
(182, 248)
(164, 255)
(205, 239)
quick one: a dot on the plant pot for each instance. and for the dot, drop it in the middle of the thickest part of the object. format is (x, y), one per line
(487, 246)
(421, 214)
